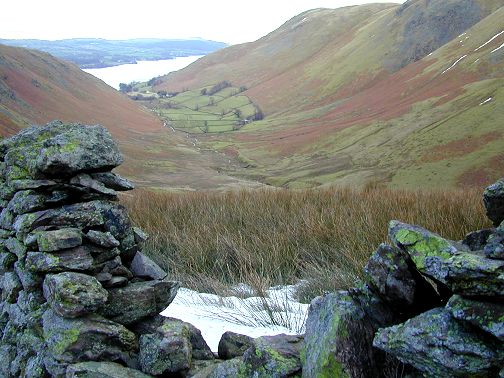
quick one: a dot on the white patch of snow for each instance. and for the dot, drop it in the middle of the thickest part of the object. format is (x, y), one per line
(497, 49)
(490, 40)
(454, 64)
(486, 101)
(214, 315)
(477, 60)
(304, 19)
(464, 33)
(430, 54)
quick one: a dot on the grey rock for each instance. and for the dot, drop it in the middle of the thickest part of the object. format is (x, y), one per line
(493, 198)
(488, 316)
(103, 239)
(391, 276)
(494, 248)
(92, 369)
(439, 345)
(103, 255)
(73, 294)
(166, 352)
(113, 181)
(140, 235)
(116, 282)
(26, 201)
(86, 181)
(30, 281)
(151, 298)
(227, 369)
(103, 277)
(87, 338)
(7, 261)
(142, 266)
(35, 368)
(477, 240)
(5, 234)
(64, 238)
(11, 286)
(7, 356)
(23, 224)
(59, 149)
(161, 324)
(78, 259)
(6, 219)
(339, 333)
(275, 356)
(32, 184)
(233, 345)
(16, 247)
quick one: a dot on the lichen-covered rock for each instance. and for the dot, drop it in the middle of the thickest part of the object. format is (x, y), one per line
(493, 198)
(59, 149)
(92, 369)
(64, 238)
(78, 259)
(161, 324)
(73, 294)
(29, 280)
(166, 351)
(489, 316)
(11, 286)
(150, 298)
(425, 248)
(13, 245)
(7, 261)
(441, 346)
(87, 338)
(142, 266)
(113, 181)
(233, 345)
(274, 356)
(26, 201)
(103, 239)
(391, 276)
(339, 335)
(7, 356)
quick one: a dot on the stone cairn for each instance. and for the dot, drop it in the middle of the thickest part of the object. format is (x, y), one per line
(79, 299)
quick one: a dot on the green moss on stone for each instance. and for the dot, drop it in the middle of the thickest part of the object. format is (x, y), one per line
(65, 340)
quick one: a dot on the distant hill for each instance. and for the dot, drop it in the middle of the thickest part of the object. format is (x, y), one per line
(36, 88)
(98, 53)
(408, 95)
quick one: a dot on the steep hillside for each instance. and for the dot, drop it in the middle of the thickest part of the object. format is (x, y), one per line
(410, 95)
(36, 88)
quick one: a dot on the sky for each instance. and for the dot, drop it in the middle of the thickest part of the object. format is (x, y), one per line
(229, 21)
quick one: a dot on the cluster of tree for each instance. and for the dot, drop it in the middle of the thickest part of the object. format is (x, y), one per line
(154, 81)
(216, 88)
(166, 94)
(125, 88)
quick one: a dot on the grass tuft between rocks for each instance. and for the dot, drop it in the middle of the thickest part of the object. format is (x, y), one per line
(267, 237)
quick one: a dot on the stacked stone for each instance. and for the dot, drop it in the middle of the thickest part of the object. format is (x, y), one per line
(434, 304)
(74, 286)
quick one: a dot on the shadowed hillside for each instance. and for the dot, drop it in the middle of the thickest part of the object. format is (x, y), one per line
(410, 95)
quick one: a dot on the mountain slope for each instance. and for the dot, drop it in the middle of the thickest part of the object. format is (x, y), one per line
(36, 88)
(375, 92)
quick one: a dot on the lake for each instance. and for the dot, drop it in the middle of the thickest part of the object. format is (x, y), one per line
(142, 71)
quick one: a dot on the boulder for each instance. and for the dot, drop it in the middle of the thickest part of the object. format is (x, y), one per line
(87, 338)
(274, 356)
(113, 181)
(84, 180)
(339, 333)
(477, 240)
(93, 369)
(439, 345)
(13, 245)
(64, 238)
(11, 286)
(29, 280)
(27, 201)
(167, 351)
(493, 198)
(73, 294)
(59, 149)
(7, 261)
(233, 345)
(103, 239)
(151, 297)
(391, 274)
(142, 266)
(494, 248)
(486, 315)
(78, 259)
(6, 219)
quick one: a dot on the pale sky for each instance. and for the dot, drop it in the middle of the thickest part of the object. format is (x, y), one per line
(230, 21)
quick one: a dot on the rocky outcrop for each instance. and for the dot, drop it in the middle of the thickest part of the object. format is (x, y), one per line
(445, 301)
(70, 294)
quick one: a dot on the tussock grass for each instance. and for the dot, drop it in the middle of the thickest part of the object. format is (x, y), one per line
(265, 237)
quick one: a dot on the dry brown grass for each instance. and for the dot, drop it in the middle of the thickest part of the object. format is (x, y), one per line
(279, 236)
